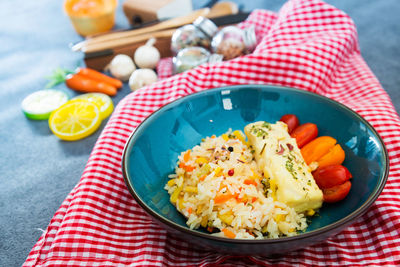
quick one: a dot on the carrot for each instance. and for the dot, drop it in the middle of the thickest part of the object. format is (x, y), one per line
(228, 233)
(219, 199)
(186, 167)
(189, 210)
(86, 85)
(98, 76)
(186, 156)
(203, 177)
(250, 181)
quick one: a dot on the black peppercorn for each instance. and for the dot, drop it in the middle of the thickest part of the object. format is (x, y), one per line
(230, 149)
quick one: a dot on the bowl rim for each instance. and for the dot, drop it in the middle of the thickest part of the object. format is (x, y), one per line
(326, 229)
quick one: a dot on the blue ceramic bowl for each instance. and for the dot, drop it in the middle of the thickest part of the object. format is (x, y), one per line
(151, 153)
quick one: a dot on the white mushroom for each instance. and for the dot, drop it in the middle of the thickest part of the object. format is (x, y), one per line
(121, 67)
(147, 56)
(141, 78)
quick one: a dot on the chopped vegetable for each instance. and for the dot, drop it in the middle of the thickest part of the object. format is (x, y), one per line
(304, 133)
(187, 168)
(204, 221)
(218, 171)
(317, 148)
(190, 189)
(228, 233)
(175, 194)
(250, 181)
(310, 212)
(335, 156)
(222, 198)
(227, 217)
(332, 175)
(225, 137)
(186, 156)
(291, 121)
(336, 193)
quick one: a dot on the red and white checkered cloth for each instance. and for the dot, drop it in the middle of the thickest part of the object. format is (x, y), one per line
(308, 45)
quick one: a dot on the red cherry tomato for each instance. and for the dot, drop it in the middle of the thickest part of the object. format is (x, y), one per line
(330, 176)
(291, 120)
(304, 133)
(336, 193)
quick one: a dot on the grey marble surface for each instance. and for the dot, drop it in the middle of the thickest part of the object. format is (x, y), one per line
(37, 170)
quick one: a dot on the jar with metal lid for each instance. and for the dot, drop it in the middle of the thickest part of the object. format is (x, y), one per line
(199, 33)
(232, 42)
(191, 57)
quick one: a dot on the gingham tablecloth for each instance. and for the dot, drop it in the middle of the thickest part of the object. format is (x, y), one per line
(309, 45)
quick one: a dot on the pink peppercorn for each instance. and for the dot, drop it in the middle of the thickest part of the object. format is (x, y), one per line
(231, 172)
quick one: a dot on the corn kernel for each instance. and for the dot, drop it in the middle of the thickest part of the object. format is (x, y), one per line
(264, 229)
(225, 137)
(244, 199)
(226, 217)
(199, 209)
(204, 221)
(310, 212)
(279, 217)
(171, 182)
(190, 189)
(175, 194)
(255, 176)
(181, 203)
(201, 160)
(218, 171)
(291, 230)
(239, 136)
(273, 187)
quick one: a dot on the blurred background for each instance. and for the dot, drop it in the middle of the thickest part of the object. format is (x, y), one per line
(38, 170)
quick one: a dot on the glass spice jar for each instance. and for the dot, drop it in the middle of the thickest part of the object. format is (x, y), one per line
(191, 57)
(232, 42)
(199, 33)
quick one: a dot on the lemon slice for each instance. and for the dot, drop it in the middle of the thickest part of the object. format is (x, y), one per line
(40, 104)
(103, 101)
(75, 120)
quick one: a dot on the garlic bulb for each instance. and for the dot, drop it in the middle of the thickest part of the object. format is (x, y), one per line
(121, 67)
(147, 56)
(141, 78)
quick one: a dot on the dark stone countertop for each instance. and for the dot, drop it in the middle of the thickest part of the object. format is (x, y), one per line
(38, 170)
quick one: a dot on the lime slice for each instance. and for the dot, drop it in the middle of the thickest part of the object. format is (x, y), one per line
(75, 120)
(40, 104)
(103, 101)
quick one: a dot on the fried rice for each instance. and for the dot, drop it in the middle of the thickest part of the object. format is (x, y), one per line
(218, 186)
